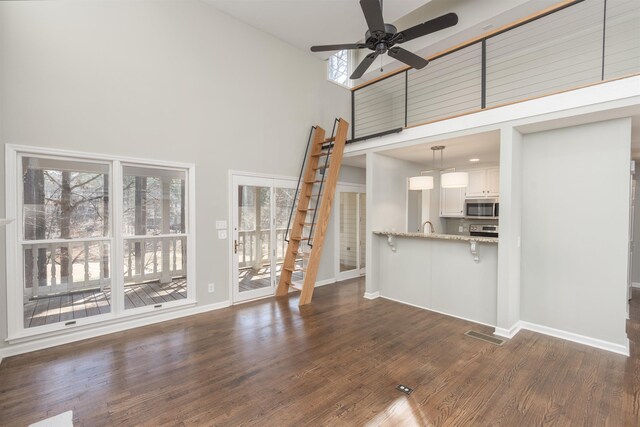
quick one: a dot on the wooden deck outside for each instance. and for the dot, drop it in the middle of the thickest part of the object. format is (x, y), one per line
(251, 279)
(44, 311)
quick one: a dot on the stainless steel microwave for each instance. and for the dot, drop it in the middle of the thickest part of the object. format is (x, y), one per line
(482, 208)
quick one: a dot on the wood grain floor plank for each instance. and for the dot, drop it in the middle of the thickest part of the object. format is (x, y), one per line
(334, 363)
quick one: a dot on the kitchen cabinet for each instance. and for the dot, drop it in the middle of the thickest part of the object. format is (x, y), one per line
(483, 183)
(452, 202)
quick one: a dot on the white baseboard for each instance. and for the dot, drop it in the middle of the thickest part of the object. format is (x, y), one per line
(635, 285)
(508, 333)
(52, 341)
(326, 282)
(372, 295)
(437, 311)
(580, 339)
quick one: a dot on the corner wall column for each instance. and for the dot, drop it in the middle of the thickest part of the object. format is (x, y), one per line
(508, 290)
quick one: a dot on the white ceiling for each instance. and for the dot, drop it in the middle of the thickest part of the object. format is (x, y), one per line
(484, 146)
(304, 23)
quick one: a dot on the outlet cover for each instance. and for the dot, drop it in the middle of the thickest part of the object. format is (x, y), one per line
(221, 225)
(211, 287)
(222, 234)
(461, 229)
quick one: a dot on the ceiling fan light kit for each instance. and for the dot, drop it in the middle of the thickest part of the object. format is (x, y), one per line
(382, 38)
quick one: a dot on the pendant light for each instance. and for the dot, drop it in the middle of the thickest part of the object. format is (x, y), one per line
(452, 179)
(423, 182)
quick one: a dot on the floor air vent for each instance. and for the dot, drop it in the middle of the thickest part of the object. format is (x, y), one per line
(484, 337)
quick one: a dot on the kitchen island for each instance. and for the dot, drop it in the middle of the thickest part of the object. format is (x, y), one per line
(450, 274)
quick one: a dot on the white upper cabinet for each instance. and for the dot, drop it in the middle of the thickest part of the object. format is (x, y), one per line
(452, 202)
(477, 183)
(483, 183)
(493, 182)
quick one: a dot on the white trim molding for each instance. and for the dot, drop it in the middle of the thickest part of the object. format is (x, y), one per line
(565, 335)
(372, 295)
(87, 333)
(635, 285)
(580, 339)
(508, 333)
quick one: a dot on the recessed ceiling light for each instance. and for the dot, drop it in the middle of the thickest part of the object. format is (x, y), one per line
(474, 160)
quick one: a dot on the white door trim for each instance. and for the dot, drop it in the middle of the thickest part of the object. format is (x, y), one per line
(346, 188)
(262, 180)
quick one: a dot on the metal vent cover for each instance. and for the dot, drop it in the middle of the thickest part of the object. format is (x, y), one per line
(484, 337)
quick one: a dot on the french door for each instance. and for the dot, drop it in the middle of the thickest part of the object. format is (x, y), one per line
(350, 232)
(261, 209)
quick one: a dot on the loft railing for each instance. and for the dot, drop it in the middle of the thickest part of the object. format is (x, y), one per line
(583, 42)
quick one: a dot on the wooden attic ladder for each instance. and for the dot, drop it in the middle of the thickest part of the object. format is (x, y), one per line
(311, 213)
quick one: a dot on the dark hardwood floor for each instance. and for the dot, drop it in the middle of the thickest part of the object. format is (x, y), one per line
(336, 362)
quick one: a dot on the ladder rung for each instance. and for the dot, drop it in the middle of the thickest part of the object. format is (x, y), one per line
(295, 270)
(295, 286)
(313, 182)
(306, 209)
(329, 140)
(325, 166)
(320, 154)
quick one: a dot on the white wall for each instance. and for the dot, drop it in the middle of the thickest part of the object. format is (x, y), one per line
(387, 205)
(575, 229)
(635, 274)
(153, 80)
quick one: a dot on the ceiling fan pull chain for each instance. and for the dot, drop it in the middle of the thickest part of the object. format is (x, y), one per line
(381, 70)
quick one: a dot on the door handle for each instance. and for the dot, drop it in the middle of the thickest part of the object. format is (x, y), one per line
(235, 246)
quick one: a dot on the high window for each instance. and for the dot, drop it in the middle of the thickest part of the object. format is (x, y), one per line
(338, 68)
(95, 239)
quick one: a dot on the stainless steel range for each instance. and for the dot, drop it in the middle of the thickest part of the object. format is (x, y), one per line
(483, 230)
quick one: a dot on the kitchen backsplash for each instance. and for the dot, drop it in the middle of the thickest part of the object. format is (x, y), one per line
(452, 225)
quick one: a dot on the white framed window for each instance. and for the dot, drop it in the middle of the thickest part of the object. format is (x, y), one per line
(96, 238)
(339, 68)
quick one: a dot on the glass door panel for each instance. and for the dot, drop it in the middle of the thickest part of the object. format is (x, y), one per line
(65, 239)
(283, 203)
(155, 240)
(348, 231)
(252, 244)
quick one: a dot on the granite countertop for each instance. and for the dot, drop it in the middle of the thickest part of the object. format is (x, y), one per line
(439, 236)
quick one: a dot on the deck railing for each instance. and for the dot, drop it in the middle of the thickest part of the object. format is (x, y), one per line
(69, 266)
(584, 42)
(253, 252)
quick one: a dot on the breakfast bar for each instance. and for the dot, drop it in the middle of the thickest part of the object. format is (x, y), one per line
(450, 274)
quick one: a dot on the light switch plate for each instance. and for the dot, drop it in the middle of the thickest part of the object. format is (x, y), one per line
(221, 225)
(222, 234)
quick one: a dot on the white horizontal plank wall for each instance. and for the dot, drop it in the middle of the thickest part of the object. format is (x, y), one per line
(380, 107)
(573, 277)
(622, 38)
(553, 53)
(447, 86)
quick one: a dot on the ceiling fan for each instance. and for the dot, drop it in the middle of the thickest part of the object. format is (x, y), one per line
(382, 38)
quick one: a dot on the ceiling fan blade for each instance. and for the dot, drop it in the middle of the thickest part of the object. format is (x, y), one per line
(373, 14)
(329, 47)
(436, 24)
(364, 66)
(408, 58)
